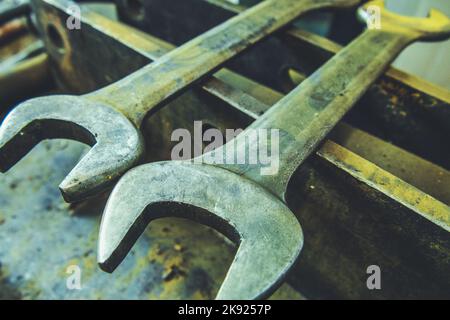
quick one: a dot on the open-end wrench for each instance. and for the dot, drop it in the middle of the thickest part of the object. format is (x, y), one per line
(109, 119)
(236, 199)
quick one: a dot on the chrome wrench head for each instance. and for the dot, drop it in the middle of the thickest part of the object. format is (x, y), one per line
(269, 236)
(116, 143)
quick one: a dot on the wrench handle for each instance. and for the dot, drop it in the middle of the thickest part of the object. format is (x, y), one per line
(152, 86)
(306, 115)
(309, 112)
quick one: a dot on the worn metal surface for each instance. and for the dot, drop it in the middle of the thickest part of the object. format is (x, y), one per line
(10, 9)
(346, 228)
(25, 51)
(23, 73)
(365, 217)
(303, 117)
(12, 28)
(25, 78)
(176, 260)
(321, 275)
(399, 107)
(428, 177)
(269, 236)
(347, 221)
(118, 144)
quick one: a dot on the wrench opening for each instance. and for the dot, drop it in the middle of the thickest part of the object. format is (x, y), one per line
(116, 143)
(35, 132)
(269, 235)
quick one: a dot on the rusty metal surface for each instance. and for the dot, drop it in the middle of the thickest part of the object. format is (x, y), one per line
(10, 9)
(180, 115)
(176, 259)
(25, 79)
(428, 177)
(269, 239)
(12, 28)
(399, 108)
(173, 271)
(109, 119)
(22, 73)
(325, 201)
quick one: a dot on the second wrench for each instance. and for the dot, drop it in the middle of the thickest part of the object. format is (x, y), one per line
(109, 119)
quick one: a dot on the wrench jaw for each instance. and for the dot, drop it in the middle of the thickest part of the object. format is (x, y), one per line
(117, 144)
(98, 170)
(435, 27)
(269, 235)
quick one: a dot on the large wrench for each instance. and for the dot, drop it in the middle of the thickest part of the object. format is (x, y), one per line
(109, 119)
(248, 207)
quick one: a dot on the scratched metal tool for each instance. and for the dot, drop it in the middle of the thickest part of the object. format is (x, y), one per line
(238, 200)
(327, 221)
(108, 119)
(317, 209)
